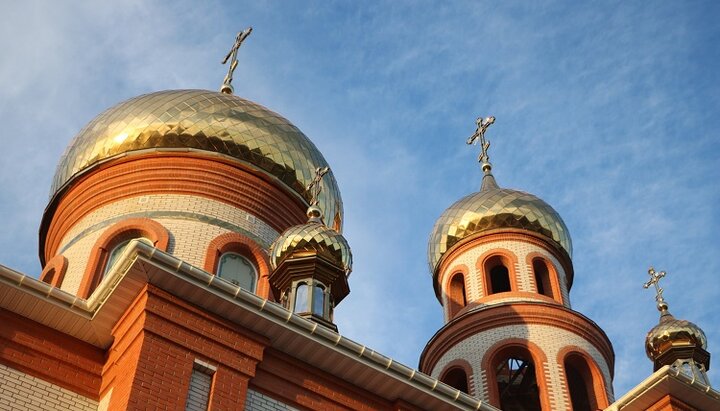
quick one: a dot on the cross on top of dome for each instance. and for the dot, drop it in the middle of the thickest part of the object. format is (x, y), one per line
(655, 277)
(226, 87)
(482, 126)
(314, 188)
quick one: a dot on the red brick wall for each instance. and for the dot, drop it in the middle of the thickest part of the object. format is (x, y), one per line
(298, 384)
(157, 342)
(50, 355)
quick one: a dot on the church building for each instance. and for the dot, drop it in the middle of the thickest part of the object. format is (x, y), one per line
(193, 258)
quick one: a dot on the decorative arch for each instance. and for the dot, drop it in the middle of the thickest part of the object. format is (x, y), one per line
(516, 348)
(54, 271)
(458, 374)
(585, 383)
(545, 276)
(492, 264)
(118, 233)
(456, 290)
(245, 246)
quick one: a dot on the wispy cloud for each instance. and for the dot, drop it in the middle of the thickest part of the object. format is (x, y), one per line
(608, 112)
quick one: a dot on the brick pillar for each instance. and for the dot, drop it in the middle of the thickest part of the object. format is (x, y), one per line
(156, 344)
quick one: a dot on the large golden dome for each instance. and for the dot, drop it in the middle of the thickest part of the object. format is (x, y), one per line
(495, 208)
(204, 122)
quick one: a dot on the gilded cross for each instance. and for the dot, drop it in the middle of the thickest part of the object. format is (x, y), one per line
(314, 186)
(655, 277)
(482, 126)
(226, 87)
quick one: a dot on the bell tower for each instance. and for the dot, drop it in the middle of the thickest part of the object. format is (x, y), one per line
(502, 270)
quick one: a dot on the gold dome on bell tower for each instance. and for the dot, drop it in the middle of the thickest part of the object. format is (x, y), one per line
(494, 208)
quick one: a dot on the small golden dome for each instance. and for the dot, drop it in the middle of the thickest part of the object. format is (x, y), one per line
(312, 237)
(205, 122)
(670, 333)
(494, 208)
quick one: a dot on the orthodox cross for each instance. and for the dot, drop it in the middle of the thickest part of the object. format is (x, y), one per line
(655, 277)
(482, 126)
(226, 88)
(314, 187)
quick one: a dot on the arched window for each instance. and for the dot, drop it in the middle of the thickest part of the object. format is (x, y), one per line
(580, 383)
(517, 383)
(238, 270)
(111, 244)
(310, 298)
(49, 276)
(456, 378)
(117, 251)
(302, 298)
(497, 275)
(54, 271)
(318, 300)
(458, 298)
(542, 277)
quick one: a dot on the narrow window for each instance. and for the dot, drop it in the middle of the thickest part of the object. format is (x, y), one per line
(318, 300)
(238, 270)
(458, 299)
(301, 298)
(198, 397)
(499, 279)
(517, 384)
(542, 277)
(457, 379)
(580, 384)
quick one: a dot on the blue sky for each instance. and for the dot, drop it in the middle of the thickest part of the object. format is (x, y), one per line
(607, 110)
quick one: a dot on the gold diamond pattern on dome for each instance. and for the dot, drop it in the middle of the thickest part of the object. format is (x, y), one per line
(491, 209)
(671, 330)
(205, 121)
(314, 237)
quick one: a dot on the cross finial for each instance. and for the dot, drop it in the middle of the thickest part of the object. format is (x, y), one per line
(226, 87)
(314, 213)
(482, 126)
(655, 277)
(314, 186)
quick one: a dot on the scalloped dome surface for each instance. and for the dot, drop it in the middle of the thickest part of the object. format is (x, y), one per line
(491, 209)
(206, 122)
(313, 237)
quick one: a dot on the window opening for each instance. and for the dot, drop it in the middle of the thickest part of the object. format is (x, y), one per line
(542, 278)
(318, 301)
(117, 251)
(580, 384)
(457, 379)
(301, 298)
(238, 270)
(517, 385)
(458, 298)
(499, 279)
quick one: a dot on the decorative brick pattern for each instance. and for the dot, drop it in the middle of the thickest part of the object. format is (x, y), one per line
(523, 271)
(193, 222)
(551, 341)
(257, 401)
(19, 391)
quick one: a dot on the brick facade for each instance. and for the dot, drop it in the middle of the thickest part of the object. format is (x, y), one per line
(19, 390)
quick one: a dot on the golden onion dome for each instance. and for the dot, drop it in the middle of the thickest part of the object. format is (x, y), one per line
(312, 237)
(204, 122)
(495, 208)
(671, 332)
